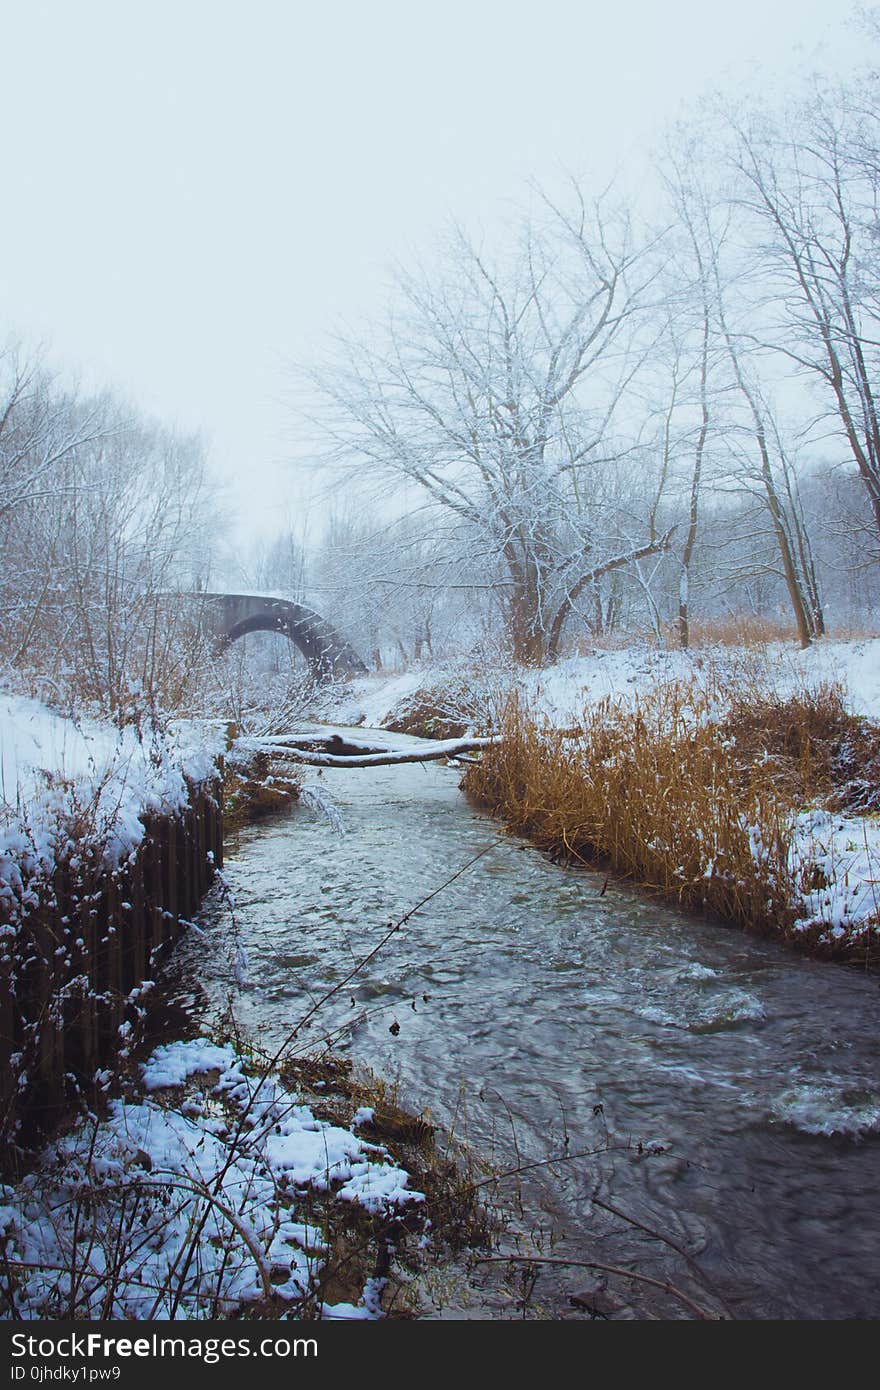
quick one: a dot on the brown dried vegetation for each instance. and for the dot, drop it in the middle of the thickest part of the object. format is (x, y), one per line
(260, 789)
(697, 806)
(429, 714)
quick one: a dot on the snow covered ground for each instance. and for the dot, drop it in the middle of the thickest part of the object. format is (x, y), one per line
(837, 859)
(184, 1202)
(57, 772)
(562, 690)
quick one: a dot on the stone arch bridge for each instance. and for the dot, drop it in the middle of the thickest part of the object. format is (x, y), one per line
(230, 616)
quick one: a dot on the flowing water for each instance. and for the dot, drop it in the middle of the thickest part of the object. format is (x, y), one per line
(729, 1091)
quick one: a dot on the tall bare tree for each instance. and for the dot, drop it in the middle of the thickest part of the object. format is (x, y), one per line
(493, 399)
(811, 183)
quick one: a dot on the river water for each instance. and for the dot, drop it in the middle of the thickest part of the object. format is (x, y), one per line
(728, 1091)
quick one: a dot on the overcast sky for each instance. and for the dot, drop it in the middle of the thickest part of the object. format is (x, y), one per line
(196, 192)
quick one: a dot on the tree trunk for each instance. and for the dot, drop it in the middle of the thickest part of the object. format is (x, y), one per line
(684, 587)
(565, 607)
(524, 626)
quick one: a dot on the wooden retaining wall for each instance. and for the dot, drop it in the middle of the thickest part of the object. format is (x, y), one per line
(70, 971)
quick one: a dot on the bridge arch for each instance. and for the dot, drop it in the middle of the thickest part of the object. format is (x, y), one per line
(327, 652)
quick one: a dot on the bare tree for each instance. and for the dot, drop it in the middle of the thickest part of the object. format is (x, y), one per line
(777, 483)
(693, 340)
(758, 460)
(107, 519)
(40, 431)
(811, 186)
(494, 399)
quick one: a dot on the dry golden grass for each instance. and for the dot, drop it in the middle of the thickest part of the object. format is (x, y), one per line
(739, 630)
(814, 745)
(664, 792)
(743, 630)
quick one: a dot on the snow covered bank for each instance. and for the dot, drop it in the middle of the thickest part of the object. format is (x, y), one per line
(60, 777)
(564, 689)
(829, 859)
(836, 860)
(206, 1191)
(109, 837)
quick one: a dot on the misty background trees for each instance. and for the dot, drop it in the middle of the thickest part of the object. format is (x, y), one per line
(103, 515)
(625, 418)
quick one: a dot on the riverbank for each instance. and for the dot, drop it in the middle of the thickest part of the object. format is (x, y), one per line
(614, 1059)
(254, 786)
(213, 1186)
(764, 817)
(742, 783)
(110, 833)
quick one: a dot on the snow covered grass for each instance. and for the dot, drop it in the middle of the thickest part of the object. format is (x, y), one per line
(435, 701)
(834, 861)
(561, 691)
(702, 790)
(210, 1190)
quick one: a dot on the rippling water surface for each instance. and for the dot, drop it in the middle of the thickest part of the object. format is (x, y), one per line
(730, 1087)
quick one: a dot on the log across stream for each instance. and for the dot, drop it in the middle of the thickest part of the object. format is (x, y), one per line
(336, 751)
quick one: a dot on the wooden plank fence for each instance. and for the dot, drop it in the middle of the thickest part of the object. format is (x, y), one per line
(71, 969)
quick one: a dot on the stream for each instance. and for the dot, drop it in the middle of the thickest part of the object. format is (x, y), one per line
(727, 1090)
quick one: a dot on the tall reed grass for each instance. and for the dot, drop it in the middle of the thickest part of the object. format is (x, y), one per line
(685, 789)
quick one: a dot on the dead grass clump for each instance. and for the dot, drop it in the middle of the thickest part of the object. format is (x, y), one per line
(815, 746)
(702, 807)
(655, 791)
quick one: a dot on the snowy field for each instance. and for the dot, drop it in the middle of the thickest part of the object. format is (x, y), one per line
(562, 691)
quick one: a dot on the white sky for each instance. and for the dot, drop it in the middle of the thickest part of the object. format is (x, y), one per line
(196, 192)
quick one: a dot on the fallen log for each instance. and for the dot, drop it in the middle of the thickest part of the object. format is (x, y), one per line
(335, 744)
(429, 751)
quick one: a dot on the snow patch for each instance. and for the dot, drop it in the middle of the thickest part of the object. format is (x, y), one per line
(159, 1175)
